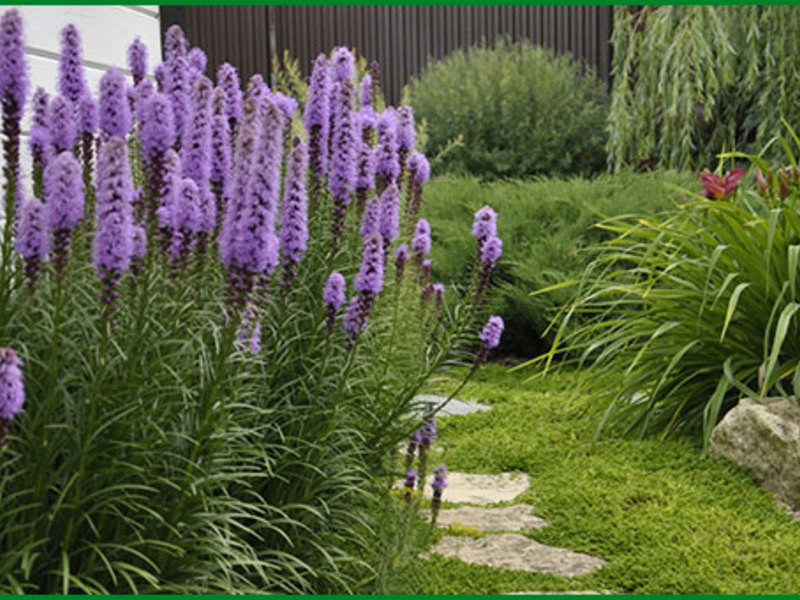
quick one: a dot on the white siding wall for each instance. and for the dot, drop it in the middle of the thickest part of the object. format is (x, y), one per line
(106, 32)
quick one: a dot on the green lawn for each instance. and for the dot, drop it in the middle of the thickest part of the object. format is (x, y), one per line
(666, 519)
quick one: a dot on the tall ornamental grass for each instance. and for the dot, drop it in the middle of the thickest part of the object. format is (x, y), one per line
(696, 308)
(214, 322)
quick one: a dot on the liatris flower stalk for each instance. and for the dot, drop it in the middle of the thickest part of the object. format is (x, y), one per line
(63, 128)
(176, 79)
(389, 225)
(425, 437)
(257, 87)
(365, 169)
(368, 283)
(185, 221)
(316, 119)
(13, 91)
(401, 258)
(411, 451)
(115, 109)
(342, 173)
(137, 60)
(196, 145)
(114, 233)
(410, 483)
(228, 80)
(141, 95)
(197, 61)
(160, 75)
(139, 252)
(484, 226)
(419, 171)
(294, 213)
(372, 217)
(490, 339)
(63, 192)
(490, 254)
(267, 182)
(220, 149)
(158, 137)
(421, 242)
(71, 79)
(387, 164)
(438, 291)
(406, 136)
(244, 238)
(365, 91)
(168, 199)
(39, 140)
(375, 74)
(438, 486)
(87, 124)
(31, 240)
(12, 390)
(333, 294)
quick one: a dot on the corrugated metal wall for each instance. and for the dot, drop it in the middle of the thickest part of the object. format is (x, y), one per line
(400, 38)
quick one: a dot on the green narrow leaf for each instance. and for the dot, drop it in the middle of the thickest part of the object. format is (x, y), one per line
(732, 304)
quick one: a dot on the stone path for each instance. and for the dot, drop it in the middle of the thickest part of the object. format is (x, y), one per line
(470, 488)
(507, 518)
(454, 407)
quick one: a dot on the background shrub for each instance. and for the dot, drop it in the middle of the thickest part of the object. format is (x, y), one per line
(547, 233)
(518, 109)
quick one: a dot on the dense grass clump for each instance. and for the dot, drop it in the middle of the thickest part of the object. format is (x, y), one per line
(548, 237)
(513, 109)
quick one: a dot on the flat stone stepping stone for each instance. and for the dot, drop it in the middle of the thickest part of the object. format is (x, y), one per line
(472, 488)
(517, 552)
(565, 593)
(507, 518)
(454, 407)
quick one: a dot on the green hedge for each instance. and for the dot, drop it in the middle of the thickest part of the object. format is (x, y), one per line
(545, 225)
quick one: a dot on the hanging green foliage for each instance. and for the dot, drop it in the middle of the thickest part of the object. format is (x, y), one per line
(692, 81)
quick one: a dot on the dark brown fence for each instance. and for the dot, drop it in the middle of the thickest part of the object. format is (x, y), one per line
(400, 38)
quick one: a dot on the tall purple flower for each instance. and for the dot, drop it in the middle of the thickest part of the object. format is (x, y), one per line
(484, 226)
(365, 92)
(142, 93)
(176, 78)
(228, 80)
(390, 215)
(185, 221)
(294, 212)
(71, 79)
(197, 62)
(406, 135)
(419, 171)
(400, 260)
(158, 137)
(421, 242)
(365, 167)
(115, 109)
(220, 149)
(12, 389)
(343, 64)
(113, 239)
(63, 191)
(368, 283)
(160, 75)
(13, 91)
(137, 60)
(39, 140)
(257, 88)
(168, 197)
(63, 130)
(372, 217)
(268, 179)
(490, 253)
(31, 241)
(316, 119)
(286, 104)
(87, 125)
(333, 294)
(490, 339)
(196, 146)
(387, 164)
(342, 172)
(352, 322)
(438, 486)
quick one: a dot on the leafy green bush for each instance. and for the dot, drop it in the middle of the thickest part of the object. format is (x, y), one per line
(689, 82)
(547, 231)
(518, 109)
(696, 308)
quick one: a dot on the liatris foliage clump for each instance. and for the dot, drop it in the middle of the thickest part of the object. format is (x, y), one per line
(222, 347)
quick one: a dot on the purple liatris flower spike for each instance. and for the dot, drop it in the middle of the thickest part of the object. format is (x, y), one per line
(286, 104)
(63, 130)
(387, 163)
(421, 242)
(390, 215)
(113, 240)
(419, 171)
(425, 270)
(365, 94)
(342, 172)
(176, 77)
(267, 182)
(490, 253)
(438, 486)
(372, 217)
(294, 212)
(142, 93)
(39, 140)
(115, 110)
(406, 135)
(87, 114)
(343, 64)
(137, 60)
(411, 478)
(12, 389)
(228, 80)
(63, 191)
(196, 145)
(257, 87)
(197, 62)
(32, 241)
(220, 149)
(365, 167)
(168, 197)
(185, 221)
(484, 226)
(160, 75)
(157, 136)
(490, 339)
(13, 91)
(369, 279)
(316, 118)
(352, 322)
(400, 260)
(71, 79)
(333, 295)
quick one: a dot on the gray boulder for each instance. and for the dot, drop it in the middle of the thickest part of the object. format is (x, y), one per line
(763, 435)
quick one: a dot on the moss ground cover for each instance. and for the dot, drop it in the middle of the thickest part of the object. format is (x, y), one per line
(666, 519)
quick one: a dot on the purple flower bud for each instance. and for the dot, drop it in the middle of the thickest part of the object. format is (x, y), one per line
(372, 216)
(142, 93)
(12, 387)
(341, 177)
(63, 131)
(176, 77)
(63, 181)
(228, 80)
(492, 251)
(421, 242)
(366, 91)
(485, 224)
(286, 104)
(158, 131)
(370, 276)
(160, 75)
(411, 478)
(419, 168)
(352, 322)
(113, 240)
(185, 220)
(401, 258)
(13, 76)
(294, 218)
(71, 80)
(343, 64)
(316, 116)
(406, 134)
(31, 240)
(197, 62)
(257, 87)
(40, 125)
(220, 147)
(390, 214)
(367, 120)
(115, 111)
(492, 332)
(137, 60)
(438, 290)
(333, 292)
(387, 162)
(87, 114)
(196, 145)
(439, 480)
